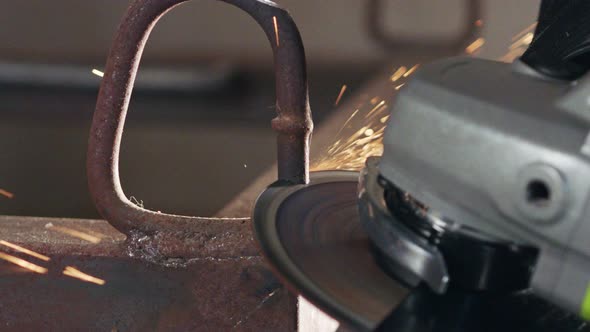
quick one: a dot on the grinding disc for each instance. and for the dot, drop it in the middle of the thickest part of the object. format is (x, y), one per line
(312, 236)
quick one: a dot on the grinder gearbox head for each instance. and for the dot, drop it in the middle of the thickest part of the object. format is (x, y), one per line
(485, 151)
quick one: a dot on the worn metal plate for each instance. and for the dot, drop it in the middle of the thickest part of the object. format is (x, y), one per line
(224, 286)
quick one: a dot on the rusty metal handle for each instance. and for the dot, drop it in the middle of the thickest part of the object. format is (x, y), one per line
(293, 123)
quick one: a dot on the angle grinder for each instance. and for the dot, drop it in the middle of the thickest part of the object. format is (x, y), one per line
(475, 216)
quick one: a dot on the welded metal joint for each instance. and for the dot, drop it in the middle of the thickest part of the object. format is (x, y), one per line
(293, 123)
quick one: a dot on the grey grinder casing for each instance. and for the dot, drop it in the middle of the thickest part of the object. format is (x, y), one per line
(498, 147)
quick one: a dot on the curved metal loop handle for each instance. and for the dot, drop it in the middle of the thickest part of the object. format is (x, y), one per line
(393, 43)
(293, 123)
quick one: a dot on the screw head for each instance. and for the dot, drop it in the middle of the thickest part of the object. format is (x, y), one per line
(540, 193)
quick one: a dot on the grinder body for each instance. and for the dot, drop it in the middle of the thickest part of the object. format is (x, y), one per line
(502, 149)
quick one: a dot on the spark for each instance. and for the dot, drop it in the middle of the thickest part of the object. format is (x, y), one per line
(528, 38)
(511, 55)
(97, 72)
(340, 94)
(377, 107)
(23, 263)
(351, 153)
(6, 193)
(24, 250)
(411, 70)
(347, 121)
(522, 41)
(398, 73)
(245, 166)
(75, 273)
(476, 45)
(354, 144)
(276, 25)
(524, 31)
(75, 233)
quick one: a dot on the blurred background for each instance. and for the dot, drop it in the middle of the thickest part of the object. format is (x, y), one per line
(198, 131)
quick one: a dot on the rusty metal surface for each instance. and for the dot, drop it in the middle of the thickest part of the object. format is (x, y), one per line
(221, 239)
(226, 286)
(215, 237)
(293, 122)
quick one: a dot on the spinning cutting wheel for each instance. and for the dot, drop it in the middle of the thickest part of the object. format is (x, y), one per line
(312, 235)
